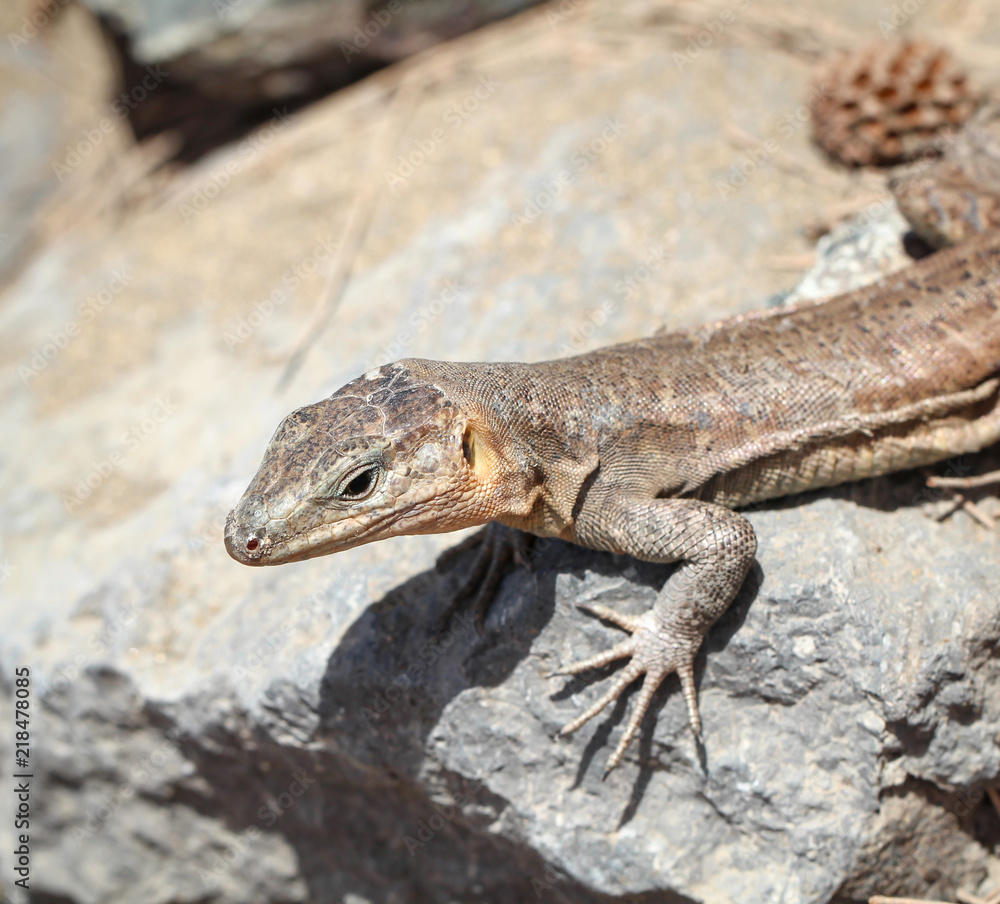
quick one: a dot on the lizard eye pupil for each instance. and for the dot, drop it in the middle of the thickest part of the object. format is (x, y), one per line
(361, 484)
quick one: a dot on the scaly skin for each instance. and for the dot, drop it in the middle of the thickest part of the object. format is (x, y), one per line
(646, 448)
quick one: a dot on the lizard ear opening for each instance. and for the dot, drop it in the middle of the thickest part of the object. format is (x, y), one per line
(469, 446)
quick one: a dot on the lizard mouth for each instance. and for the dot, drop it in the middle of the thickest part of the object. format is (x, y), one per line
(254, 538)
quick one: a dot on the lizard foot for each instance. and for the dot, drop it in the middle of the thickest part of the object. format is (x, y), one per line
(497, 549)
(655, 652)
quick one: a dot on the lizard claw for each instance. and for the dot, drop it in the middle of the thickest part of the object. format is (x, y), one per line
(654, 654)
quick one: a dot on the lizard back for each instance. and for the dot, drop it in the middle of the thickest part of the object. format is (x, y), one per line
(884, 378)
(866, 383)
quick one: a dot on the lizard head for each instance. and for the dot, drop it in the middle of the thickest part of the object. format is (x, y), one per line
(388, 454)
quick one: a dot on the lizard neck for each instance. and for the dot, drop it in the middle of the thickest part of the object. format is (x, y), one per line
(534, 462)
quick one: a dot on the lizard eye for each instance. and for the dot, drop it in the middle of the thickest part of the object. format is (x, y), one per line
(360, 485)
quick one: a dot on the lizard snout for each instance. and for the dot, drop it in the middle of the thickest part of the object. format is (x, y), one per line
(247, 537)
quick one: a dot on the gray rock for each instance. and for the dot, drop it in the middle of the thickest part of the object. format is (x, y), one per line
(282, 30)
(207, 732)
(856, 253)
(266, 50)
(27, 136)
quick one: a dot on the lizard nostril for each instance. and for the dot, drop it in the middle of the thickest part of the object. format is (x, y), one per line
(252, 544)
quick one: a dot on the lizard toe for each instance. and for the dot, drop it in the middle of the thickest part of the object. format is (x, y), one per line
(619, 651)
(650, 683)
(627, 622)
(685, 671)
(622, 680)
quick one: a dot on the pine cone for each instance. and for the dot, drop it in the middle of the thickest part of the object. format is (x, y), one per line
(889, 103)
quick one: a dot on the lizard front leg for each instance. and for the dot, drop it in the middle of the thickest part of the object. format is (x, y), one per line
(715, 546)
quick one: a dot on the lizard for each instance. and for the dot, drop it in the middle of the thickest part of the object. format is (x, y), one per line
(648, 448)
